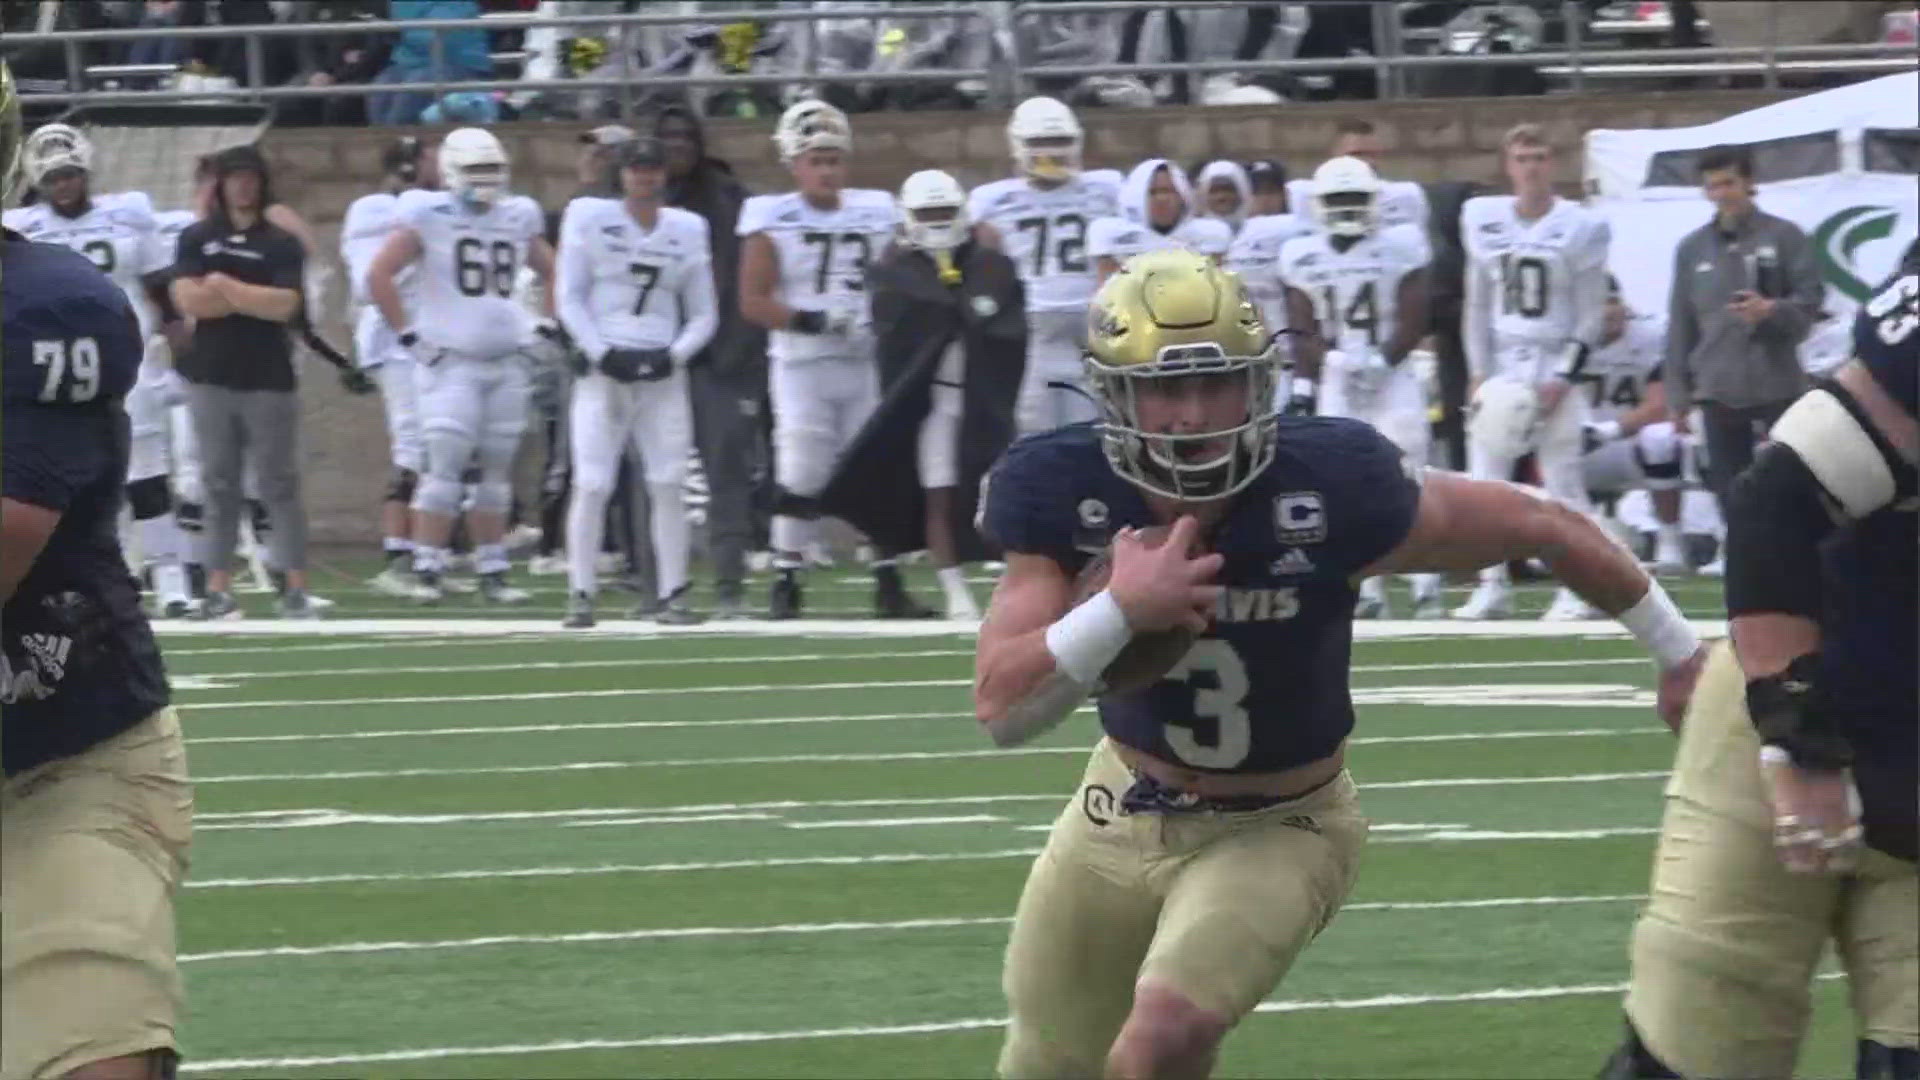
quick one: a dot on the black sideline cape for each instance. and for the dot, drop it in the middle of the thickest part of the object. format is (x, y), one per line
(876, 485)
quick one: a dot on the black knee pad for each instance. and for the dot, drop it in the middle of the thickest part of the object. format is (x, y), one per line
(191, 517)
(1878, 1061)
(149, 497)
(1633, 1061)
(400, 485)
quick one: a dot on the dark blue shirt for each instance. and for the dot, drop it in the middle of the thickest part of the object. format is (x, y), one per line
(1265, 688)
(83, 659)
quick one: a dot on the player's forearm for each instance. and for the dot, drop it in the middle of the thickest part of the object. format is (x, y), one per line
(765, 311)
(1019, 693)
(1766, 642)
(695, 333)
(577, 318)
(195, 298)
(385, 294)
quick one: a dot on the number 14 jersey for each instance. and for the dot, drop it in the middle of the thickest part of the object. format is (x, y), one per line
(469, 258)
(1355, 291)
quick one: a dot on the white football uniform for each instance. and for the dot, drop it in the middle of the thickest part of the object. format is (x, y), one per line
(370, 220)
(822, 386)
(1402, 202)
(1255, 256)
(1616, 379)
(1045, 232)
(473, 384)
(1533, 290)
(1121, 239)
(1355, 294)
(117, 233)
(620, 285)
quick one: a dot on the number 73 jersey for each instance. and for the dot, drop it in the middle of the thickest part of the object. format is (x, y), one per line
(469, 259)
(823, 258)
(1355, 292)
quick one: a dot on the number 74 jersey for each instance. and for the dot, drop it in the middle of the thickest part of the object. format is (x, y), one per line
(1355, 292)
(823, 258)
(469, 259)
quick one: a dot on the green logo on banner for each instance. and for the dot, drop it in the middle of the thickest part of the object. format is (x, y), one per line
(1838, 237)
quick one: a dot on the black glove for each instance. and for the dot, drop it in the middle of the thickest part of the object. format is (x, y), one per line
(637, 365)
(356, 381)
(808, 322)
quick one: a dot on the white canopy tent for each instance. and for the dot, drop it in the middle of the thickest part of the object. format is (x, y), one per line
(1841, 164)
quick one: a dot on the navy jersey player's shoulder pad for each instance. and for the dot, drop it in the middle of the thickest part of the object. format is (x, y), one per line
(1344, 488)
(1030, 502)
(1886, 338)
(70, 333)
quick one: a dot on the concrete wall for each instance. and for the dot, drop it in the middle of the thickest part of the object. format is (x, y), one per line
(320, 171)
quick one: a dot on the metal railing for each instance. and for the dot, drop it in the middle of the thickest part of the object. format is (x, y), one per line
(1576, 63)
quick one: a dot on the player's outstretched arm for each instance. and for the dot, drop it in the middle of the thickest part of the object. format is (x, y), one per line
(1465, 524)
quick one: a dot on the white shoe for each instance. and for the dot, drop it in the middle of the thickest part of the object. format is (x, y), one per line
(1490, 600)
(422, 591)
(963, 607)
(320, 604)
(1371, 607)
(393, 581)
(1568, 607)
(1430, 606)
(548, 565)
(818, 557)
(520, 538)
(459, 586)
(1714, 569)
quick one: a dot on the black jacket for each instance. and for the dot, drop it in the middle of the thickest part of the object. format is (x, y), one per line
(738, 350)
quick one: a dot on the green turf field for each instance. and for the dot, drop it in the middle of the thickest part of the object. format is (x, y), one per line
(465, 851)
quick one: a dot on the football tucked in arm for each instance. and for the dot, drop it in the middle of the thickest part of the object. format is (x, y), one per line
(1149, 656)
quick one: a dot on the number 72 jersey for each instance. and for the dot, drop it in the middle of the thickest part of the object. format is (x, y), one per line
(823, 257)
(1044, 232)
(469, 259)
(1355, 292)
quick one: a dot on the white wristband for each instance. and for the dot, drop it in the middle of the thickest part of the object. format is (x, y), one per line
(1085, 640)
(1659, 626)
(1302, 387)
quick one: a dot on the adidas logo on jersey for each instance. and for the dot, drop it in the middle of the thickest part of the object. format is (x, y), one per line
(1293, 562)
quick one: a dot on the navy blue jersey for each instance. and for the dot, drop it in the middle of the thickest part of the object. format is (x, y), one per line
(1265, 688)
(83, 660)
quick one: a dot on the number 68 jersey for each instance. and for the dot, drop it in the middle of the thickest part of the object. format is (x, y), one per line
(469, 259)
(1265, 687)
(823, 262)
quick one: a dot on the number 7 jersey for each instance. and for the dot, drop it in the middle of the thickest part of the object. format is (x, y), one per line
(468, 261)
(823, 258)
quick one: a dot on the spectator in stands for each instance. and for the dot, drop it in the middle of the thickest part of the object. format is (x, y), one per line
(160, 48)
(463, 54)
(239, 277)
(1746, 289)
(337, 60)
(728, 379)
(1268, 179)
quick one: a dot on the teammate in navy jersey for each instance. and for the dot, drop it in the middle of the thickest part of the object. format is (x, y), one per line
(1791, 819)
(94, 811)
(1216, 831)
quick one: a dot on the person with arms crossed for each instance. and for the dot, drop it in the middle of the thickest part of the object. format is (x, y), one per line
(1040, 218)
(802, 276)
(1156, 211)
(1790, 818)
(1535, 303)
(470, 241)
(1357, 292)
(635, 292)
(1630, 441)
(1217, 831)
(95, 808)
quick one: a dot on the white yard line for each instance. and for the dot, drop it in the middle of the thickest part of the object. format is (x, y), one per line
(883, 823)
(594, 937)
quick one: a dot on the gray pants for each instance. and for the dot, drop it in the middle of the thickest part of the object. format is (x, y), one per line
(726, 427)
(263, 426)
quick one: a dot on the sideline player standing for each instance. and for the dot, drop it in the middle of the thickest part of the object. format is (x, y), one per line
(470, 241)
(95, 809)
(635, 292)
(1790, 819)
(1358, 291)
(1536, 293)
(803, 276)
(1217, 832)
(1040, 219)
(1157, 211)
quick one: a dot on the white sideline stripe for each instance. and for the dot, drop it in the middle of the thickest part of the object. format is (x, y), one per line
(838, 718)
(549, 695)
(1383, 1001)
(788, 658)
(1369, 630)
(879, 823)
(940, 923)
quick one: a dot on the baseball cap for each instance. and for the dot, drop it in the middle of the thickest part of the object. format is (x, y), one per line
(401, 156)
(244, 158)
(607, 135)
(641, 150)
(1266, 171)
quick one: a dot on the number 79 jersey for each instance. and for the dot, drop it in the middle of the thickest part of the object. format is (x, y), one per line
(1265, 687)
(1044, 232)
(468, 261)
(1356, 291)
(823, 257)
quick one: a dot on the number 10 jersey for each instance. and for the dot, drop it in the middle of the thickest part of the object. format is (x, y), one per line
(469, 258)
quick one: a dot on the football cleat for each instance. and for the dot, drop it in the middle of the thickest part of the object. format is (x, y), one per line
(220, 606)
(1568, 607)
(393, 581)
(548, 565)
(786, 599)
(1490, 600)
(676, 611)
(1372, 607)
(296, 604)
(495, 590)
(579, 612)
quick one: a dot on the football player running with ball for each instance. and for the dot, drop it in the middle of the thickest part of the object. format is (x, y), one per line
(1216, 831)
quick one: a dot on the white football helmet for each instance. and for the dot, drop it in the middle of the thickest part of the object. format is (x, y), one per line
(1045, 118)
(473, 165)
(940, 197)
(811, 125)
(55, 146)
(1346, 197)
(1503, 418)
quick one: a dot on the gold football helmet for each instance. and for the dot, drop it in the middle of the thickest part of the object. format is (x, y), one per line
(1165, 315)
(11, 140)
